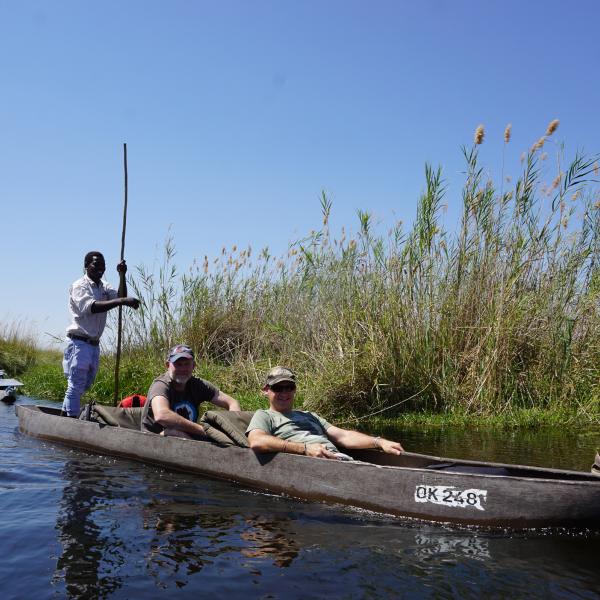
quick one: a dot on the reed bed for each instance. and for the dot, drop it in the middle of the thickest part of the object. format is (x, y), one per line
(498, 314)
(18, 350)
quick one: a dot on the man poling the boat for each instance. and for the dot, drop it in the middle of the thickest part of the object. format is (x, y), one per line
(280, 428)
(172, 406)
(90, 298)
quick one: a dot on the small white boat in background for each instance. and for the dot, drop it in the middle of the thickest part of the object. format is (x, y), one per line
(8, 388)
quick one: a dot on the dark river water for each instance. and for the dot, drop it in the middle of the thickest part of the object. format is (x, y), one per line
(78, 525)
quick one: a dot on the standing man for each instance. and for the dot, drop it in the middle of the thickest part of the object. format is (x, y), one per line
(90, 298)
(283, 429)
(172, 407)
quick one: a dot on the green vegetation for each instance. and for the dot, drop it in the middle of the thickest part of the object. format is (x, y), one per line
(516, 418)
(45, 379)
(17, 350)
(497, 319)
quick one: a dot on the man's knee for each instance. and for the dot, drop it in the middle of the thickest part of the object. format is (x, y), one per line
(77, 381)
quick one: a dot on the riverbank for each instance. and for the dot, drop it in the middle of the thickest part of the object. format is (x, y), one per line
(43, 378)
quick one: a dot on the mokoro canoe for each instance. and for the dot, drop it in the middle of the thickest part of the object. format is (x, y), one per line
(410, 485)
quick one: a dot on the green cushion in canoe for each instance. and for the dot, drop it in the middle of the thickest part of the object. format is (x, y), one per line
(129, 418)
(227, 427)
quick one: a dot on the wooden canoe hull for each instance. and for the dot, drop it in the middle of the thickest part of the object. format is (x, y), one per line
(534, 497)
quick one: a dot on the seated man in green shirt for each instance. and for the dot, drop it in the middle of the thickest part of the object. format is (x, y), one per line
(280, 428)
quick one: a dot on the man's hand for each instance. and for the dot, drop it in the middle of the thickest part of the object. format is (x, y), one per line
(169, 419)
(319, 451)
(129, 301)
(122, 267)
(390, 447)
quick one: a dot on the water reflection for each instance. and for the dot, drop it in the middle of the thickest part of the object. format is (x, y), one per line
(184, 538)
(459, 547)
(83, 540)
(188, 536)
(270, 538)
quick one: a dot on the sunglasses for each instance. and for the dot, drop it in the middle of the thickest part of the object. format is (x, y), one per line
(283, 387)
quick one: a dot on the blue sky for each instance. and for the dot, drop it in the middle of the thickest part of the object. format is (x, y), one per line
(238, 113)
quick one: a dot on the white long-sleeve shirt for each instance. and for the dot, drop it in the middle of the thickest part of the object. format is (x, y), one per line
(82, 294)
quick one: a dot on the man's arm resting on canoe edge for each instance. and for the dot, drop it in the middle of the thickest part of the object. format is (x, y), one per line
(167, 418)
(354, 440)
(260, 441)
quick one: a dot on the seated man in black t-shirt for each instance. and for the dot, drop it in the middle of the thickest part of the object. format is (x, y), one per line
(172, 407)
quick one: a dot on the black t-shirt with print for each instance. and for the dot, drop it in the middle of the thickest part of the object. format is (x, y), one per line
(185, 403)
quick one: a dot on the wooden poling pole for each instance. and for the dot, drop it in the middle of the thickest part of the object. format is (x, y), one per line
(121, 283)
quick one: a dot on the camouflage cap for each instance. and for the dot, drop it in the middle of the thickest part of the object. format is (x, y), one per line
(279, 374)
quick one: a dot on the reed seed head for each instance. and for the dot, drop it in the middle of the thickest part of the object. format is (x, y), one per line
(507, 133)
(479, 134)
(596, 169)
(552, 127)
(539, 144)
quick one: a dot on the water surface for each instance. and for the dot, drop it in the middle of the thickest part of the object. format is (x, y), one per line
(78, 525)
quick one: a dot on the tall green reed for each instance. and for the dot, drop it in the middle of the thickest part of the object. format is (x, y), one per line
(500, 314)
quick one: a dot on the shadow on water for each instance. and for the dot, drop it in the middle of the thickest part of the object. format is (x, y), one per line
(119, 529)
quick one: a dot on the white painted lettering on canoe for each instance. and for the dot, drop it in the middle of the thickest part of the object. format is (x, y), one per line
(451, 496)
